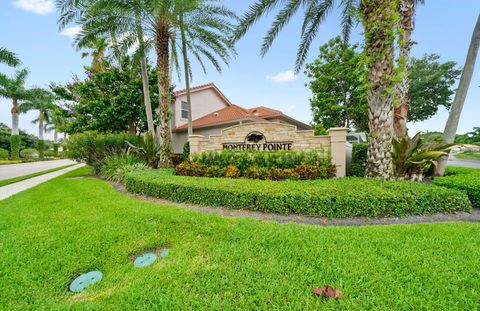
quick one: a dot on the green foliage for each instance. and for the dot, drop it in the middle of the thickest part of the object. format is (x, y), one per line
(108, 101)
(339, 87)
(359, 159)
(278, 159)
(55, 149)
(472, 137)
(26, 140)
(463, 178)
(15, 142)
(469, 155)
(114, 168)
(319, 130)
(415, 158)
(4, 154)
(49, 154)
(41, 148)
(93, 147)
(336, 198)
(186, 151)
(431, 86)
(147, 149)
(29, 154)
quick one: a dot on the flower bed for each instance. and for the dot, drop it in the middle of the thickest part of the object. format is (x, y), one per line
(462, 178)
(336, 198)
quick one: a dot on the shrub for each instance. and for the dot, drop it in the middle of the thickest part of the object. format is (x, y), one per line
(41, 148)
(115, 167)
(359, 159)
(191, 169)
(346, 197)
(4, 154)
(176, 158)
(55, 149)
(232, 171)
(93, 148)
(255, 172)
(49, 153)
(462, 178)
(148, 149)
(29, 153)
(186, 152)
(15, 141)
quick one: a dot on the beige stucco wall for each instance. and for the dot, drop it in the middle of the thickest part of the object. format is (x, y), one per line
(203, 102)
(335, 142)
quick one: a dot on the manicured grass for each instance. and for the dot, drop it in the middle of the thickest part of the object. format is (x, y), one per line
(4, 162)
(20, 178)
(55, 231)
(334, 198)
(468, 155)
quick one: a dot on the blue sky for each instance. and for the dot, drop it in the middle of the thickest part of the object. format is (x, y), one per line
(29, 28)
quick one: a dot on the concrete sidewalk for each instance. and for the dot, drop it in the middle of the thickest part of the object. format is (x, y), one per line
(9, 190)
(8, 171)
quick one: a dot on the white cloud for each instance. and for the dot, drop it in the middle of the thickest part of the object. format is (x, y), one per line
(71, 31)
(283, 76)
(36, 6)
(290, 107)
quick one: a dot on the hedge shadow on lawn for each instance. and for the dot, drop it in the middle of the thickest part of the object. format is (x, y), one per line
(338, 198)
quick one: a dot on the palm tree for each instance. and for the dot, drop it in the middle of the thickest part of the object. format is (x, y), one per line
(208, 28)
(43, 101)
(14, 89)
(9, 58)
(406, 24)
(379, 50)
(456, 110)
(57, 120)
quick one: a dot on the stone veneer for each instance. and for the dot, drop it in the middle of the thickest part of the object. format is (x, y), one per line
(335, 141)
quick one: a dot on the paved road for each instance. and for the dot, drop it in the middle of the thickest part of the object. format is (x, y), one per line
(452, 161)
(9, 190)
(8, 171)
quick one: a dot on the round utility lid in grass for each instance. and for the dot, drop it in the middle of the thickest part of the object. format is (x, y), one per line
(145, 260)
(85, 280)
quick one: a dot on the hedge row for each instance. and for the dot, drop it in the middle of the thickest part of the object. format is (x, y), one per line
(359, 159)
(338, 198)
(463, 178)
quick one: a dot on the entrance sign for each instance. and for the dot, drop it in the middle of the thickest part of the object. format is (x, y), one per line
(275, 136)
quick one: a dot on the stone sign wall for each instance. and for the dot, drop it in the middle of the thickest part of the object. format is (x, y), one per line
(271, 136)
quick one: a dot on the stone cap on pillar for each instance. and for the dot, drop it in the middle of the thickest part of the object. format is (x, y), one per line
(338, 134)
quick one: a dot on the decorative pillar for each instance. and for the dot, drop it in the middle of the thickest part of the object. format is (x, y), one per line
(338, 141)
(194, 142)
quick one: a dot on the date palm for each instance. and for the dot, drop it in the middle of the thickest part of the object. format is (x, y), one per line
(43, 101)
(14, 88)
(379, 50)
(9, 58)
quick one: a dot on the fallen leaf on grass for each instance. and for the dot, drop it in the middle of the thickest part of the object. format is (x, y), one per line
(327, 292)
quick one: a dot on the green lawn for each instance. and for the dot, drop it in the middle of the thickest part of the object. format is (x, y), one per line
(55, 231)
(20, 178)
(468, 155)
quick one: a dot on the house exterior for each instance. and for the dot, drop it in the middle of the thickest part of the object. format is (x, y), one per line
(212, 112)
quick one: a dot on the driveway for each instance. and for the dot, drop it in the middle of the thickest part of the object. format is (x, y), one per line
(8, 171)
(452, 161)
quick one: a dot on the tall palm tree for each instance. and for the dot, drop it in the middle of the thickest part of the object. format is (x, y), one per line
(57, 121)
(457, 106)
(379, 50)
(202, 28)
(9, 58)
(43, 101)
(14, 89)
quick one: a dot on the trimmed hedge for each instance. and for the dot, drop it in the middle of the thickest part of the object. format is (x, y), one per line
(359, 159)
(463, 178)
(29, 153)
(4, 154)
(337, 198)
(15, 141)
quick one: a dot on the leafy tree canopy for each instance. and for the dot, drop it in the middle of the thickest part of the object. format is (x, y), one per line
(109, 100)
(339, 89)
(27, 140)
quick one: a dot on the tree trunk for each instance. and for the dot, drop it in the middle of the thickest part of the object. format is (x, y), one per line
(455, 111)
(145, 82)
(15, 113)
(187, 76)
(40, 126)
(407, 13)
(55, 136)
(164, 99)
(379, 50)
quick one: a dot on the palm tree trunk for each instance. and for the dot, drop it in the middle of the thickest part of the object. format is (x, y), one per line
(162, 34)
(379, 50)
(143, 66)
(15, 113)
(187, 75)
(40, 126)
(407, 13)
(456, 110)
(55, 136)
